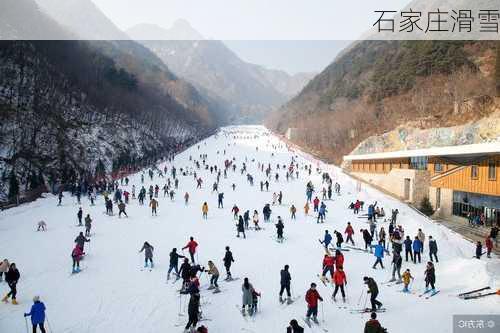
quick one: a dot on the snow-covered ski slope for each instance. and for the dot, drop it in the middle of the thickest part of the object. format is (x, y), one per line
(114, 294)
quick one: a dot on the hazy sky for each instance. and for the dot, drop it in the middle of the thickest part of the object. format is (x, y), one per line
(291, 56)
(255, 20)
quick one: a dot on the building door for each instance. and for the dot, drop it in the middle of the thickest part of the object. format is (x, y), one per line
(407, 189)
(438, 198)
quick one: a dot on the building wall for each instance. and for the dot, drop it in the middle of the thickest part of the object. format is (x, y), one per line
(394, 182)
(446, 202)
(380, 166)
(462, 180)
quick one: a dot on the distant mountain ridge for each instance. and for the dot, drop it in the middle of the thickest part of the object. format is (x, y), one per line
(251, 91)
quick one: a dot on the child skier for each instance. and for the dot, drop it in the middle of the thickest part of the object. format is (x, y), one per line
(349, 231)
(312, 297)
(406, 280)
(430, 276)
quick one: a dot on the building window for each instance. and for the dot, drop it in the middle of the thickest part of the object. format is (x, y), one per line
(438, 167)
(474, 172)
(418, 163)
(492, 170)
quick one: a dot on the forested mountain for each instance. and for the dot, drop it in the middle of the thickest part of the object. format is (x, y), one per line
(375, 86)
(72, 109)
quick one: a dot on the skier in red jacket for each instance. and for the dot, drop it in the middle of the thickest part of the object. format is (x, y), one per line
(349, 231)
(312, 297)
(340, 280)
(191, 246)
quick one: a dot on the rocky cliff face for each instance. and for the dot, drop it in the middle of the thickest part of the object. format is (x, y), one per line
(375, 86)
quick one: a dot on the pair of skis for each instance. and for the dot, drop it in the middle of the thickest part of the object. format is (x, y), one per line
(308, 323)
(429, 293)
(477, 293)
(367, 310)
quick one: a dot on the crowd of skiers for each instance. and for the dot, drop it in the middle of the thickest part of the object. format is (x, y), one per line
(379, 242)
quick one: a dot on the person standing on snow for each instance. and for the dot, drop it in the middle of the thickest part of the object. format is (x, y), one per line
(4, 268)
(191, 246)
(240, 227)
(312, 297)
(306, 209)
(373, 325)
(204, 211)
(186, 198)
(153, 204)
(349, 231)
(340, 239)
(397, 261)
(228, 260)
(408, 248)
(279, 229)
(214, 272)
(373, 291)
(79, 215)
(121, 209)
(339, 279)
(76, 255)
(220, 200)
(148, 254)
(193, 311)
(285, 282)
(327, 239)
(80, 240)
(379, 254)
(255, 219)
(88, 225)
(174, 263)
(430, 276)
(433, 249)
(406, 280)
(367, 238)
(12, 277)
(247, 297)
(417, 248)
(293, 210)
(37, 314)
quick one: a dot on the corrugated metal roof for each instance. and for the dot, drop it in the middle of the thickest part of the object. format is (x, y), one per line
(474, 149)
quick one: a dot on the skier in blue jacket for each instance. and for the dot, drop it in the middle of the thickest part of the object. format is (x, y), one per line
(37, 314)
(417, 249)
(379, 254)
(327, 239)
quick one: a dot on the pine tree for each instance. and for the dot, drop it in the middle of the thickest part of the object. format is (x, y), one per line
(426, 207)
(13, 186)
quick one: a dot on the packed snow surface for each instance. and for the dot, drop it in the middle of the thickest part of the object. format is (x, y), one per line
(114, 293)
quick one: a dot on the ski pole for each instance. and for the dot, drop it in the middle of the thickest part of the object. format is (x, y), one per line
(180, 304)
(26, 323)
(360, 298)
(322, 312)
(48, 324)
(366, 301)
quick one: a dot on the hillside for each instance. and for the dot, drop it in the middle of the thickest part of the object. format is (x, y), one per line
(249, 90)
(101, 108)
(375, 86)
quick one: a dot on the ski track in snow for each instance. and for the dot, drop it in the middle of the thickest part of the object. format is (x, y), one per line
(112, 294)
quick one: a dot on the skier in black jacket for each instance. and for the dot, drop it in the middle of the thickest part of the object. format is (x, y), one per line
(193, 310)
(11, 277)
(373, 291)
(228, 259)
(174, 263)
(285, 279)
